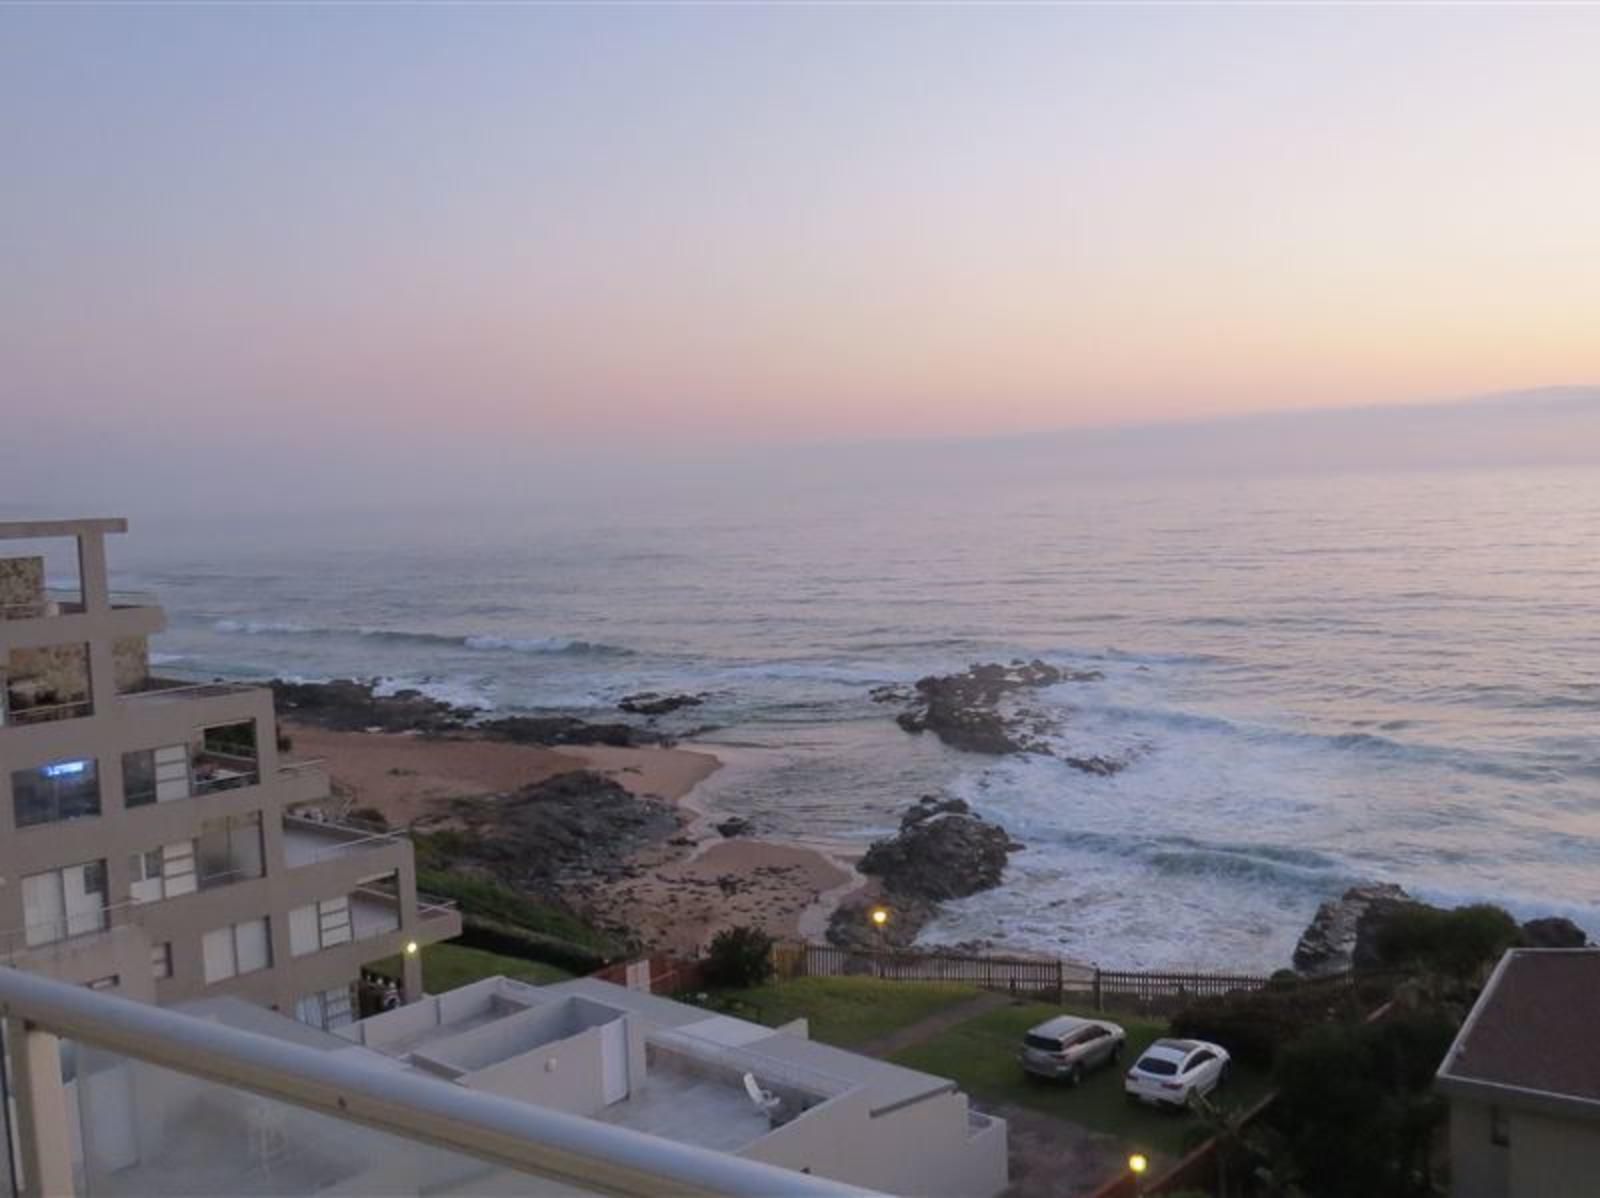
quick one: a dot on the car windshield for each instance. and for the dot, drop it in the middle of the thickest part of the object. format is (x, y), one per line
(1042, 1043)
(1158, 1065)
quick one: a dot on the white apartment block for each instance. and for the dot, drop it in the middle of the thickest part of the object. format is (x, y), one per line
(149, 841)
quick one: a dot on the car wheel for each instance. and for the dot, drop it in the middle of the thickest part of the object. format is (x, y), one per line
(1075, 1078)
(1116, 1051)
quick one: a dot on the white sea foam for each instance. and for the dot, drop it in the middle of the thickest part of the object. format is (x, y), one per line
(454, 691)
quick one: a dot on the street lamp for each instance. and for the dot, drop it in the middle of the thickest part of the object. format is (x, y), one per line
(1137, 1164)
(411, 948)
(880, 920)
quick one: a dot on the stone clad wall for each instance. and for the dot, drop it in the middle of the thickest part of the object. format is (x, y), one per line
(21, 580)
(131, 659)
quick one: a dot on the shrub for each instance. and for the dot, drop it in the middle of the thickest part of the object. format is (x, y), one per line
(738, 958)
(1460, 943)
(1255, 1025)
(1356, 1108)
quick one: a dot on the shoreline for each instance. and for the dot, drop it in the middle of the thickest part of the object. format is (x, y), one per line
(676, 895)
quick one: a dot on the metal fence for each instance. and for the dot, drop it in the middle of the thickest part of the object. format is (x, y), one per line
(1050, 977)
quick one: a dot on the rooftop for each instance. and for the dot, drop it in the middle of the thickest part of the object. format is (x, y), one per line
(1532, 1028)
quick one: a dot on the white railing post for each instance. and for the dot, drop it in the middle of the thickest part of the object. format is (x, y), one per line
(44, 1145)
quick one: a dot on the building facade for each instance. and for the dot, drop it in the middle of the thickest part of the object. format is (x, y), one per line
(1523, 1080)
(154, 839)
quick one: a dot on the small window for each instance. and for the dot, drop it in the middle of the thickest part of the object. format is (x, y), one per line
(1093, 1034)
(59, 791)
(236, 949)
(1499, 1127)
(1199, 1059)
(161, 960)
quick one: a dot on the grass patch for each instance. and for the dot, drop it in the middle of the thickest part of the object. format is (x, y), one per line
(479, 897)
(446, 966)
(981, 1056)
(842, 1011)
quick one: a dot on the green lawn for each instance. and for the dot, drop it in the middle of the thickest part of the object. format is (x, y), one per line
(981, 1055)
(446, 966)
(842, 1011)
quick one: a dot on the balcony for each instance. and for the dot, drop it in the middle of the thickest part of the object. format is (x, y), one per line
(309, 841)
(57, 601)
(172, 690)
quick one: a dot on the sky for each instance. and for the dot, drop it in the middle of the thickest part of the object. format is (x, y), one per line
(295, 237)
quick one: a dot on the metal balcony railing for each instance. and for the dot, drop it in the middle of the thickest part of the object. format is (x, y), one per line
(295, 1106)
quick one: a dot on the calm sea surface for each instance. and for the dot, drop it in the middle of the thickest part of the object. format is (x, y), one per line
(1320, 680)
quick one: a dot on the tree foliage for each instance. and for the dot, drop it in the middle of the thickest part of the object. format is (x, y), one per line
(738, 958)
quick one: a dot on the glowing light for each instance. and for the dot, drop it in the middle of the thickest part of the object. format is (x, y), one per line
(1138, 1162)
(880, 916)
(411, 948)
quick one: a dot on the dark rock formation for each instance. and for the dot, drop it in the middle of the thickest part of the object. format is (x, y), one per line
(651, 703)
(566, 730)
(347, 705)
(567, 828)
(964, 710)
(942, 851)
(1101, 767)
(1553, 931)
(1328, 945)
(735, 825)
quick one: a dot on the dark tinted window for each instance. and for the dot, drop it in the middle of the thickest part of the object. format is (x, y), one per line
(1094, 1033)
(61, 790)
(1042, 1043)
(1159, 1066)
(1199, 1058)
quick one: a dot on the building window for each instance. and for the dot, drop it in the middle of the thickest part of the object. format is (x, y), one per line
(326, 1009)
(109, 982)
(64, 902)
(163, 872)
(237, 949)
(318, 926)
(229, 850)
(161, 960)
(1499, 1127)
(59, 791)
(155, 775)
(225, 757)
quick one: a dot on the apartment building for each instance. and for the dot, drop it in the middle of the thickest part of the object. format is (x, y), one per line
(154, 839)
(1523, 1080)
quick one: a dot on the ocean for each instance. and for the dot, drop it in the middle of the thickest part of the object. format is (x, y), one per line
(1319, 680)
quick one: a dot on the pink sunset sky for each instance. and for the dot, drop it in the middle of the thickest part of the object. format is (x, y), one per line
(660, 226)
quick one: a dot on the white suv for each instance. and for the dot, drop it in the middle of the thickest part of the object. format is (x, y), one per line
(1170, 1072)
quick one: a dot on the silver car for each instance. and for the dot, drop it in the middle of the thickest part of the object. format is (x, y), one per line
(1069, 1047)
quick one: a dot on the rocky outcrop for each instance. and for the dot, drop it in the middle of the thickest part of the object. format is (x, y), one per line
(965, 710)
(348, 705)
(566, 730)
(1553, 931)
(652, 704)
(735, 825)
(1328, 945)
(1349, 933)
(942, 851)
(569, 828)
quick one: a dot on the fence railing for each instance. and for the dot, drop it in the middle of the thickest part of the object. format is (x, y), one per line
(1052, 977)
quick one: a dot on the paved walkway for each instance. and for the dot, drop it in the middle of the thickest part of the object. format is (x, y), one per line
(926, 1029)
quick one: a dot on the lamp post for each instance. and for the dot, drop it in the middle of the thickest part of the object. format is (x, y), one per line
(880, 920)
(1137, 1164)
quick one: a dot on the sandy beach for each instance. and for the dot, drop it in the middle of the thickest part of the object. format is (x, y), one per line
(680, 895)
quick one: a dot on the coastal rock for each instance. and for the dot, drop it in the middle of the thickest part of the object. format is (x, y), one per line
(652, 703)
(942, 851)
(1553, 931)
(349, 705)
(1101, 767)
(563, 828)
(735, 826)
(964, 710)
(567, 730)
(1328, 945)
